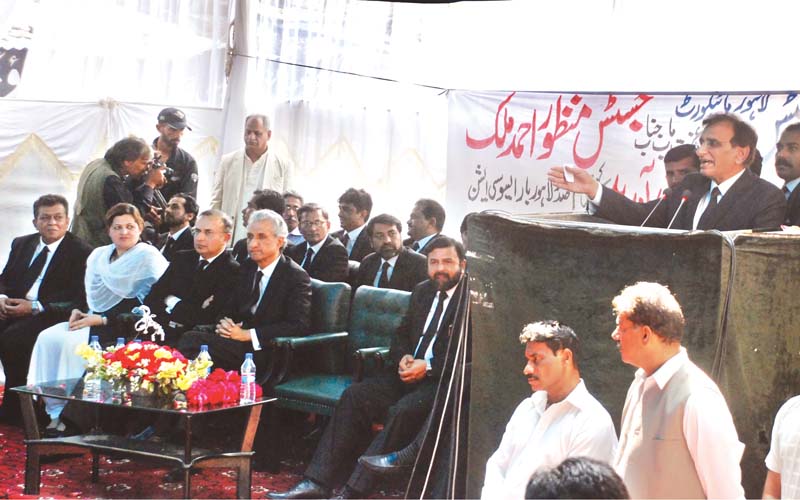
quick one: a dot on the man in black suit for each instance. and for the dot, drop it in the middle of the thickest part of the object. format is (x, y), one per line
(262, 199)
(725, 196)
(402, 396)
(193, 289)
(41, 283)
(787, 165)
(391, 265)
(179, 216)
(272, 298)
(355, 205)
(321, 255)
(424, 224)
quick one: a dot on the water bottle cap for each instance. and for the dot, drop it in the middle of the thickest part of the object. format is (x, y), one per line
(204, 348)
(249, 355)
(120, 340)
(94, 338)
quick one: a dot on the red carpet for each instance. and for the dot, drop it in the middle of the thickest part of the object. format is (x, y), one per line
(124, 478)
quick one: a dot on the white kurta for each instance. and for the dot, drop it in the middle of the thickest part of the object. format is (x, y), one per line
(237, 177)
(784, 452)
(107, 283)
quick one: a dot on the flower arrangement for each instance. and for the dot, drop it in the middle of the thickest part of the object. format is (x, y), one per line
(220, 387)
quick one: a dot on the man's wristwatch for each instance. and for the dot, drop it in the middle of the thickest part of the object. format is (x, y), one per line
(36, 307)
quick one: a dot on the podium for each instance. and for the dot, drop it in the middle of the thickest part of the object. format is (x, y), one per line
(736, 290)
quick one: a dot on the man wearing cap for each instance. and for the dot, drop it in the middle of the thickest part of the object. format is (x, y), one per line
(243, 172)
(183, 175)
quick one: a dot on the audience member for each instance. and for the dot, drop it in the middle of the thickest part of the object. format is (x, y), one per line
(293, 203)
(725, 195)
(679, 162)
(179, 216)
(403, 398)
(783, 460)
(182, 175)
(322, 256)
(391, 265)
(560, 420)
(118, 278)
(355, 205)
(577, 477)
(272, 298)
(787, 166)
(102, 185)
(244, 171)
(195, 286)
(757, 164)
(41, 283)
(261, 199)
(424, 224)
(670, 401)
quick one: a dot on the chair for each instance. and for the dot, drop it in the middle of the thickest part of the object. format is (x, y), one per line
(316, 369)
(352, 272)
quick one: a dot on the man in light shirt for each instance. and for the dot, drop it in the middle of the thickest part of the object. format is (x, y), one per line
(783, 460)
(677, 438)
(560, 420)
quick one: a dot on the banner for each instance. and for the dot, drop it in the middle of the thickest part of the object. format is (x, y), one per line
(501, 144)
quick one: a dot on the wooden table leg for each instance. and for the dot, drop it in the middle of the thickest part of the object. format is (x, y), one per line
(32, 470)
(95, 465)
(244, 478)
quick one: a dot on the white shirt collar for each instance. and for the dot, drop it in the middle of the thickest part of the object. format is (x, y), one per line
(52, 247)
(579, 397)
(391, 261)
(212, 259)
(177, 234)
(318, 245)
(667, 370)
(356, 232)
(267, 271)
(726, 184)
(424, 241)
(792, 184)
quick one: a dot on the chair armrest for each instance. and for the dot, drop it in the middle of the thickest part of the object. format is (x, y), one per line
(314, 340)
(379, 354)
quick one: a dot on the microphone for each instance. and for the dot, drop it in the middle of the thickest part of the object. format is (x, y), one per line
(660, 199)
(684, 196)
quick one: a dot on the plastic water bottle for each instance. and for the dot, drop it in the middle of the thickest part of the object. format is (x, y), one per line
(247, 393)
(204, 355)
(120, 343)
(91, 381)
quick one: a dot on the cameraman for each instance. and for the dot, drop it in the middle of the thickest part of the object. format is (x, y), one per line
(181, 171)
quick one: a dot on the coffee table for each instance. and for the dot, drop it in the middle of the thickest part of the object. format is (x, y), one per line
(187, 457)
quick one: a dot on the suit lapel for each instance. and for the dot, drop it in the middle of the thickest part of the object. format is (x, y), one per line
(727, 205)
(274, 283)
(793, 207)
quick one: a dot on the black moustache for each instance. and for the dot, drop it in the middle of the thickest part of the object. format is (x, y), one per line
(782, 163)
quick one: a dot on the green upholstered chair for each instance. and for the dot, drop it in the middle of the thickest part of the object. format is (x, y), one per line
(316, 369)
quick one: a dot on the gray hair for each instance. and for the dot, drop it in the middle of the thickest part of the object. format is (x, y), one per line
(264, 119)
(227, 222)
(653, 305)
(278, 224)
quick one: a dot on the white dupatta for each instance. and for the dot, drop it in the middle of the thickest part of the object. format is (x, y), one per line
(130, 276)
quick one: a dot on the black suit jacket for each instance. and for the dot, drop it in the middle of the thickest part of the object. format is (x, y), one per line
(62, 288)
(362, 246)
(413, 325)
(184, 242)
(750, 203)
(329, 264)
(793, 208)
(240, 251)
(409, 243)
(193, 287)
(410, 269)
(285, 307)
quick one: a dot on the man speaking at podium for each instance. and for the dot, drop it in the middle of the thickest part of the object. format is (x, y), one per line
(725, 195)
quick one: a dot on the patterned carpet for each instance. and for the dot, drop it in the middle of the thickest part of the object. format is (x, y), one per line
(124, 478)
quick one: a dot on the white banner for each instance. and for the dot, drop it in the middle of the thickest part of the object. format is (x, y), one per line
(501, 144)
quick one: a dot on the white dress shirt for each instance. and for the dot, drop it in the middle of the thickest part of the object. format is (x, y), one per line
(705, 200)
(790, 186)
(424, 241)
(707, 427)
(316, 251)
(429, 351)
(389, 271)
(784, 451)
(538, 436)
(262, 286)
(174, 237)
(352, 236)
(33, 292)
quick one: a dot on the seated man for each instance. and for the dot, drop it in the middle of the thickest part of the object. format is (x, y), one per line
(272, 298)
(355, 206)
(261, 199)
(194, 288)
(424, 224)
(293, 203)
(179, 218)
(560, 420)
(725, 196)
(402, 398)
(40, 285)
(391, 265)
(321, 255)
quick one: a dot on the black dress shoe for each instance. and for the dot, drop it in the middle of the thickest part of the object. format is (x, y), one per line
(387, 464)
(304, 489)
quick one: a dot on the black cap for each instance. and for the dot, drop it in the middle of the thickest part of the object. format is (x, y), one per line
(173, 117)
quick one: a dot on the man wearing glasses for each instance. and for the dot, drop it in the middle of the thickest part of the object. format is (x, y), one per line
(322, 256)
(725, 195)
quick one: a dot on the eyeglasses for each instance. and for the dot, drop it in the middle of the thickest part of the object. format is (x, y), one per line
(312, 223)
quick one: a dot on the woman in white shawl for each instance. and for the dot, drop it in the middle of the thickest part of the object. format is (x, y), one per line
(118, 277)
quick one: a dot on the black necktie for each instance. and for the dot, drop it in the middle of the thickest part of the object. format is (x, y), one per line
(255, 293)
(33, 271)
(168, 245)
(786, 192)
(201, 266)
(307, 261)
(433, 327)
(346, 239)
(710, 209)
(383, 281)
(415, 246)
